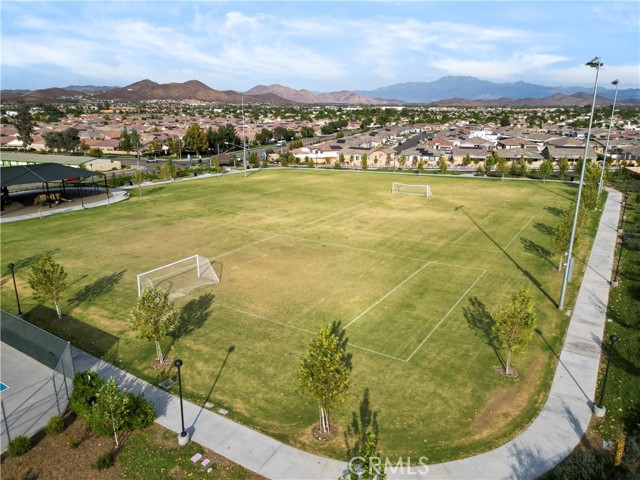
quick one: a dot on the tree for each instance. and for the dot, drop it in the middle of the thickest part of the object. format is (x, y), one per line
(154, 317)
(70, 139)
(466, 161)
(324, 373)
(563, 167)
(48, 280)
(168, 170)
(307, 132)
(546, 170)
(138, 177)
(402, 161)
(502, 166)
(195, 139)
(125, 141)
(443, 164)
(25, 125)
(514, 324)
(364, 162)
(111, 408)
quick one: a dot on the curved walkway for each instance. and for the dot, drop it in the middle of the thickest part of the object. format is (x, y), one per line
(547, 441)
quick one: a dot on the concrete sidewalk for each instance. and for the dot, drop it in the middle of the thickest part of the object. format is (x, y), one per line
(547, 441)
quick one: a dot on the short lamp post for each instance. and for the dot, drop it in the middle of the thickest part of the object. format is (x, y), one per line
(599, 408)
(183, 438)
(15, 288)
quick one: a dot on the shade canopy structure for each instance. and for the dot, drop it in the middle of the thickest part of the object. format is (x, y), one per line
(41, 173)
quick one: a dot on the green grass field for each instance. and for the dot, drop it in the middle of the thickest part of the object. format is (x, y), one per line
(412, 279)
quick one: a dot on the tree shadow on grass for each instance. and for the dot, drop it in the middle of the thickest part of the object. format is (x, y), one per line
(338, 331)
(192, 317)
(555, 211)
(363, 422)
(96, 289)
(544, 228)
(538, 250)
(481, 322)
(22, 264)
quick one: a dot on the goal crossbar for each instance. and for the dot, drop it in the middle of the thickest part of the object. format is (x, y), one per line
(411, 189)
(195, 270)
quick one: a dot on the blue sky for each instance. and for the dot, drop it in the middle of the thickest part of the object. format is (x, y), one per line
(321, 46)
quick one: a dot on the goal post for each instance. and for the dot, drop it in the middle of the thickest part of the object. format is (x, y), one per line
(411, 189)
(181, 277)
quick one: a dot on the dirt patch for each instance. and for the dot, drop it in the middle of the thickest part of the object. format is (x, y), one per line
(67, 456)
(506, 403)
(500, 370)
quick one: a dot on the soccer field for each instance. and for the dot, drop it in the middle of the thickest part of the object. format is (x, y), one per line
(412, 280)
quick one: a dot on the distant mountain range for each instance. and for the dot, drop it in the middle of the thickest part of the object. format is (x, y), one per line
(472, 88)
(462, 91)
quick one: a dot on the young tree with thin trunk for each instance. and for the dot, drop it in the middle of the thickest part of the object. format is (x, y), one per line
(154, 317)
(138, 178)
(48, 280)
(546, 170)
(110, 408)
(443, 164)
(514, 325)
(168, 169)
(502, 166)
(324, 373)
(563, 167)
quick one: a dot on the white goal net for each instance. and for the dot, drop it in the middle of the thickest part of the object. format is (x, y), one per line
(180, 278)
(408, 189)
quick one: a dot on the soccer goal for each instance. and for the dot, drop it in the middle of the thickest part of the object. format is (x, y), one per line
(424, 190)
(180, 278)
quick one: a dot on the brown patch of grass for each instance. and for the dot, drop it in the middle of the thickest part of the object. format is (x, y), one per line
(507, 403)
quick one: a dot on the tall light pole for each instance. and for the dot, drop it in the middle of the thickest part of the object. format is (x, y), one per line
(182, 438)
(244, 141)
(15, 288)
(606, 147)
(595, 63)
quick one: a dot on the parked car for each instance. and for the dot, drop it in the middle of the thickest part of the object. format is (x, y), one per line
(152, 160)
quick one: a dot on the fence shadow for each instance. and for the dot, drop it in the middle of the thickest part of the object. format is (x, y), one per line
(83, 335)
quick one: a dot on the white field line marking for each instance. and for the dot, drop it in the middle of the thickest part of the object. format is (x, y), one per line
(260, 317)
(546, 203)
(245, 246)
(376, 352)
(457, 266)
(250, 196)
(443, 318)
(518, 234)
(337, 213)
(387, 294)
(265, 319)
(472, 229)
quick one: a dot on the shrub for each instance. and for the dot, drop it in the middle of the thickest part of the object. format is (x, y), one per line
(85, 387)
(141, 413)
(55, 425)
(238, 473)
(583, 465)
(104, 461)
(74, 443)
(19, 446)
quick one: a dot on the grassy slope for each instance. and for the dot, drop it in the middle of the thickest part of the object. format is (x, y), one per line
(300, 249)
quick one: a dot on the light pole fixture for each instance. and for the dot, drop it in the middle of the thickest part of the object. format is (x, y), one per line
(182, 438)
(15, 288)
(595, 63)
(600, 409)
(606, 147)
